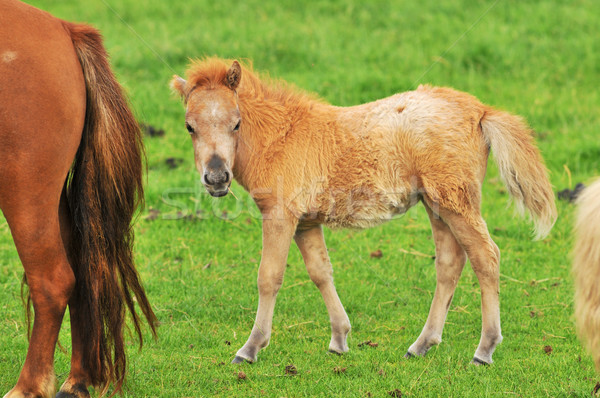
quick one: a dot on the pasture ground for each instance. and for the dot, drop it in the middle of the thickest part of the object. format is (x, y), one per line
(198, 256)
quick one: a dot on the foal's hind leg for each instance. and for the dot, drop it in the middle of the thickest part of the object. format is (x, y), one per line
(471, 233)
(312, 246)
(450, 259)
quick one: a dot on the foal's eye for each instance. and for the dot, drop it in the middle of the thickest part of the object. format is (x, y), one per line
(237, 126)
(189, 128)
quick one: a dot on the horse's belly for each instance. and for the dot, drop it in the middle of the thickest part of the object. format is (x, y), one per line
(364, 214)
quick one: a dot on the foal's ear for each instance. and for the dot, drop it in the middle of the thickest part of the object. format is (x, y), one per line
(178, 85)
(234, 75)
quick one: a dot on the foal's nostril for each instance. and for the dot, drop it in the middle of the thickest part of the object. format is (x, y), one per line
(226, 176)
(206, 180)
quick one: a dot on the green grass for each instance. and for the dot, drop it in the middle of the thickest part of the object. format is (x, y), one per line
(539, 59)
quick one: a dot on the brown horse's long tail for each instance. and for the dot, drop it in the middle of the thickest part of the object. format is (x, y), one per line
(104, 191)
(586, 270)
(521, 167)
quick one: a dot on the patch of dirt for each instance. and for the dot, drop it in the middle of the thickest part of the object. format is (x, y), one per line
(173, 163)
(152, 214)
(151, 131)
(369, 343)
(377, 254)
(291, 370)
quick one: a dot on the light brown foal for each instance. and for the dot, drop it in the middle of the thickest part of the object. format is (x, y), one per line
(307, 163)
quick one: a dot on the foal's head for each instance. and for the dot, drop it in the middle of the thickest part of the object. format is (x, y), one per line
(213, 120)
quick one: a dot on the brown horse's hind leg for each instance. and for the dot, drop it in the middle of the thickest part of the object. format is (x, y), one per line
(36, 232)
(312, 246)
(75, 386)
(450, 259)
(471, 233)
(78, 380)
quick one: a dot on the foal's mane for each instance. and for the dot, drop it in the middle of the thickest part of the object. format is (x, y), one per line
(210, 73)
(207, 72)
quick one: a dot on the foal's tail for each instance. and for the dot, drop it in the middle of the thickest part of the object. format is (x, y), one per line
(521, 167)
(586, 269)
(104, 191)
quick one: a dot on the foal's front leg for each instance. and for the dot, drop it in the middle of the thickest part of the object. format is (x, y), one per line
(312, 246)
(278, 231)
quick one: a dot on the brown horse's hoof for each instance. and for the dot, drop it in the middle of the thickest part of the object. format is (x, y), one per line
(239, 359)
(73, 391)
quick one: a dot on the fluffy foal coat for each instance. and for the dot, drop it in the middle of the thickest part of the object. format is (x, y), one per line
(586, 268)
(308, 163)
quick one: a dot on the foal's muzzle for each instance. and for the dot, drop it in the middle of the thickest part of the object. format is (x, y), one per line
(217, 177)
(217, 182)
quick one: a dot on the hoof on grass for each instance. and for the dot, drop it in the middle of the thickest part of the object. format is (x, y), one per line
(73, 391)
(239, 359)
(63, 394)
(339, 354)
(408, 355)
(478, 362)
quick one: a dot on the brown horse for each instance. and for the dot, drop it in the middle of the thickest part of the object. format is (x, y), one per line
(70, 183)
(308, 163)
(586, 269)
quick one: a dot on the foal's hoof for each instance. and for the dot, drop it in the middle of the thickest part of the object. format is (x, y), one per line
(339, 354)
(478, 362)
(239, 359)
(408, 355)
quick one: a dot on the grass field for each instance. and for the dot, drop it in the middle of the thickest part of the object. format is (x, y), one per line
(198, 256)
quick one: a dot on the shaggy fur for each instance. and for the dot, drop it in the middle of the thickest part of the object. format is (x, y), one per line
(308, 163)
(586, 269)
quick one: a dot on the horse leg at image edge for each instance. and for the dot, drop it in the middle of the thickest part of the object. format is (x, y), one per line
(36, 233)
